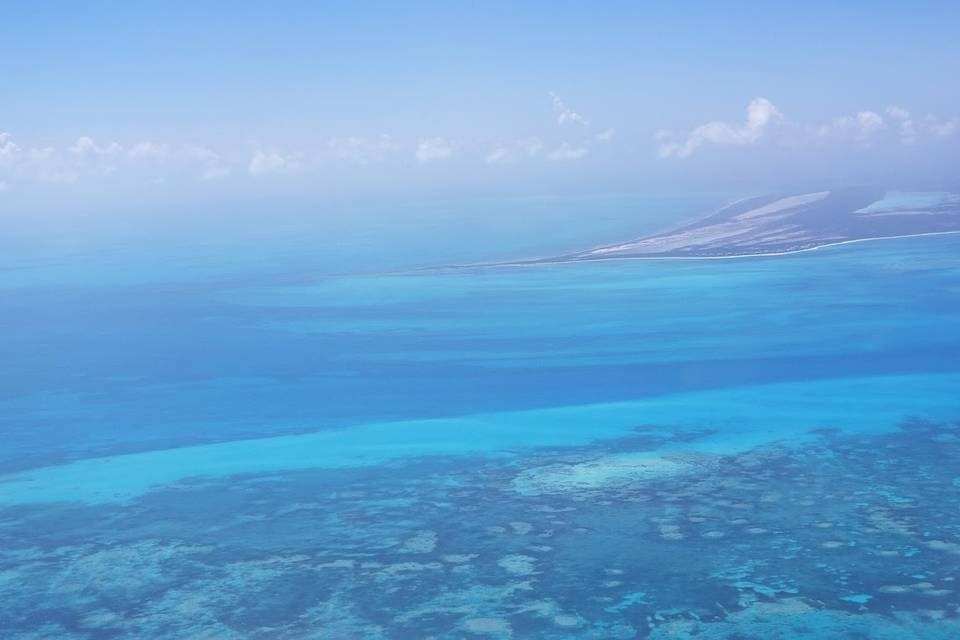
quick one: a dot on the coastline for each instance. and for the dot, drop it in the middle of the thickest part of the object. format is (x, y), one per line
(534, 262)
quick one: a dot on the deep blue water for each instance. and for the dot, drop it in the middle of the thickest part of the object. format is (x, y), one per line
(287, 428)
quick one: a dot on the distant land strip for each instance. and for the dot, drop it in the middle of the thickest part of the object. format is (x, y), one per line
(782, 224)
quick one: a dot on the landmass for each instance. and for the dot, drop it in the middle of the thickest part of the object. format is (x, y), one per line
(788, 223)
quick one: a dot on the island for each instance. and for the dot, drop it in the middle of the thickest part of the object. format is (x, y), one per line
(787, 223)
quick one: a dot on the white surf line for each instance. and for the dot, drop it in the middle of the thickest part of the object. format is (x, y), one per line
(545, 261)
(738, 256)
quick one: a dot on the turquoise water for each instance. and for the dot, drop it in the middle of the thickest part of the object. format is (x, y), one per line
(907, 200)
(306, 434)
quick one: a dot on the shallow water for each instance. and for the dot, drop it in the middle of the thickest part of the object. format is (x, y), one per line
(765, 447)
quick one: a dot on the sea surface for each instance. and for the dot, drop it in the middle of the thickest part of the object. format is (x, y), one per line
(307, 424)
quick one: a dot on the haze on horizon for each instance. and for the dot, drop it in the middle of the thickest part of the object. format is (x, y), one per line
(302, 101)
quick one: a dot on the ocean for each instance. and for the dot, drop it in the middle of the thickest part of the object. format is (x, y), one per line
(324, 425)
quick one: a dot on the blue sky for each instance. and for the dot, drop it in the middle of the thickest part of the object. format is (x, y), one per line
(109, 100)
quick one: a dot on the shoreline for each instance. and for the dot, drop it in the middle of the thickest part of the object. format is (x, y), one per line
(740, 256)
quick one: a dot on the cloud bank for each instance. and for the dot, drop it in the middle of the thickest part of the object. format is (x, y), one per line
(432, 149)
(761, 115)
(565, 138)
(764, 120)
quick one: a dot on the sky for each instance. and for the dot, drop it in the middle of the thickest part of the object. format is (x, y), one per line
(120, 103)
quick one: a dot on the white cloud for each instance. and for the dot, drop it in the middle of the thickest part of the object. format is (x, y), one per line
(266, 162)
(566, 115)
(568, 152)
(863, 126)
(9, 150)
(86, 146)
(214, 172)
(149, 150)
(434, 149)
(761, 114)
(361, 150)
(200, 153)
(604, 136)
(905, 127)
(500, 155)
(868, 123)
(149, 161)
(941, 129)
(208, 162)
(38, 154)
(523, 148)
